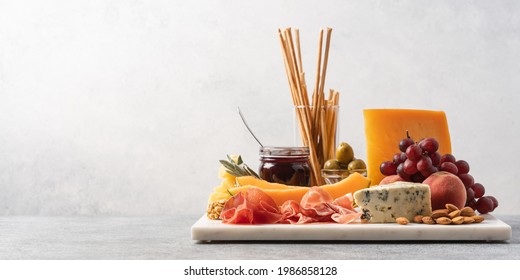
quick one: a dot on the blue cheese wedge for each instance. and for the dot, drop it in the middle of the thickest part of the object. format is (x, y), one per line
(385, 203)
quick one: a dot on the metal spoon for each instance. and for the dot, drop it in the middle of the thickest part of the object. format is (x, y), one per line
(250, 131)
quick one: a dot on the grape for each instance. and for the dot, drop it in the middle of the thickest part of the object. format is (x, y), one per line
(429, 145)
(495, 202)
(449, 167)
(417, 177)
(399, 158)
(467, 179)
(448, 158)
(426, 173)
(463, 166)
(401, 173)
(470, 194)
(473, 204)
(478, 189)
(434, 170)
(410, 167)
(414, 152)
(388, 168)
(405, 143)
(436, 158)
(485, 205)
(403, 157)
(424, 165)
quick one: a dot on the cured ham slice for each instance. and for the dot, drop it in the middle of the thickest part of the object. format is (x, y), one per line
(251, 207)
(345, 212)
(318, 206)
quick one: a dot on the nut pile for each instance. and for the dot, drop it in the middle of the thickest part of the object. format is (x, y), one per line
(449, 216)
(215, 208)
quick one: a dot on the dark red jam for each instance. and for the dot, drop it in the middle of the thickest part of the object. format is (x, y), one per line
(285, 165)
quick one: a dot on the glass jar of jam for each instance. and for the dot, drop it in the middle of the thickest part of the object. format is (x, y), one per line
(285, 165)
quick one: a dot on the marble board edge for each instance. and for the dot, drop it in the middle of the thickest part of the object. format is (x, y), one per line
(492, 229)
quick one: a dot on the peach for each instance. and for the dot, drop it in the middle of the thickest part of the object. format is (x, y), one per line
(391, 179)
(446, 188)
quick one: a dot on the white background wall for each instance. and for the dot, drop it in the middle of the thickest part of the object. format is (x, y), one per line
(125, 107)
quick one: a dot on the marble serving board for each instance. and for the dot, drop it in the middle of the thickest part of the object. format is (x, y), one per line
(491, 229)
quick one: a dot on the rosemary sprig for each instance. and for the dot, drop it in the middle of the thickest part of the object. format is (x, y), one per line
(238, 168)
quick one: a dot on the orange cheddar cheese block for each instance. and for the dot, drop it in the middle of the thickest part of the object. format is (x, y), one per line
(385, 128)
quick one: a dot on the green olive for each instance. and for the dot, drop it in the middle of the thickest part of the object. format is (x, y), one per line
(344, 153)
(357, 164)
(332, 164)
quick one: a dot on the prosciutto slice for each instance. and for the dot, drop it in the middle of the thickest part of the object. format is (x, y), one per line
(318, 206)
(251, 207)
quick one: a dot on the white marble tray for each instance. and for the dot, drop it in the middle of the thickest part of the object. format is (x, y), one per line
(491, 229)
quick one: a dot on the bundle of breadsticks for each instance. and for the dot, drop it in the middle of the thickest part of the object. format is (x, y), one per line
(317, 122)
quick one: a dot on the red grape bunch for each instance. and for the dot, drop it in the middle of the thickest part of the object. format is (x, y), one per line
(416, 161)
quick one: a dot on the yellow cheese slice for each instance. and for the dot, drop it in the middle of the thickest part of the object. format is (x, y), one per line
(385, 128)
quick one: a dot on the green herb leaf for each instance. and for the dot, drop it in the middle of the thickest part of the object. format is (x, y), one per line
(251, 171)
(238, 168)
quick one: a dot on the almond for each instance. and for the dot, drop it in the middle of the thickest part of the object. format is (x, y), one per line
(467, 211)
(428, 220)
(418, 219)
(443, 220)
(451, 207)
(402, 221)
(457, 220)
(478, 219)
(468, 220)
(454, 214)
(439, 213)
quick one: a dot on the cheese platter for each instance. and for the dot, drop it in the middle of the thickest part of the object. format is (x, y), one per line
(491, 229)
(411, 187)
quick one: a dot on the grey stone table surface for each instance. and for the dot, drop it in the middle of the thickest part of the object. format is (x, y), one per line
(102, 238)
